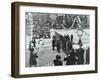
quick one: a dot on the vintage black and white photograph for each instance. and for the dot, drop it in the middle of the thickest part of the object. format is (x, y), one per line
(56, 39)
(52, 39)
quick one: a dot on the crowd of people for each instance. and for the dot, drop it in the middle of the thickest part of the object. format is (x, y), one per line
(73, 56)
(42, 28)
(41, 32)
(65, 43)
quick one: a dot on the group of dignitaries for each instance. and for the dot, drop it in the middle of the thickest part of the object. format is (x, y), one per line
(62, 42)
(73, 56)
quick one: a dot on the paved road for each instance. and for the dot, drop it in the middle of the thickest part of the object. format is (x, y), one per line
(45, 57)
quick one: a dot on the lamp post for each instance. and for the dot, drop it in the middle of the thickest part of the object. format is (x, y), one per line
(80, 33)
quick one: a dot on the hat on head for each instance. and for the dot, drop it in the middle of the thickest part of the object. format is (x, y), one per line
(58, 57)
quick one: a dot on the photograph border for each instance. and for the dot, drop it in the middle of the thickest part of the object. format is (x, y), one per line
(15, 38)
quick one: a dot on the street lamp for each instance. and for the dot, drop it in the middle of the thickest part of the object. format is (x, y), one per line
(79, 30)
(80, 33)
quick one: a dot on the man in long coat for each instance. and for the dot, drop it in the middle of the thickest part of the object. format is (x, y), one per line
(58, 46)
(80, 55)
(53, 43)
(33, 56)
